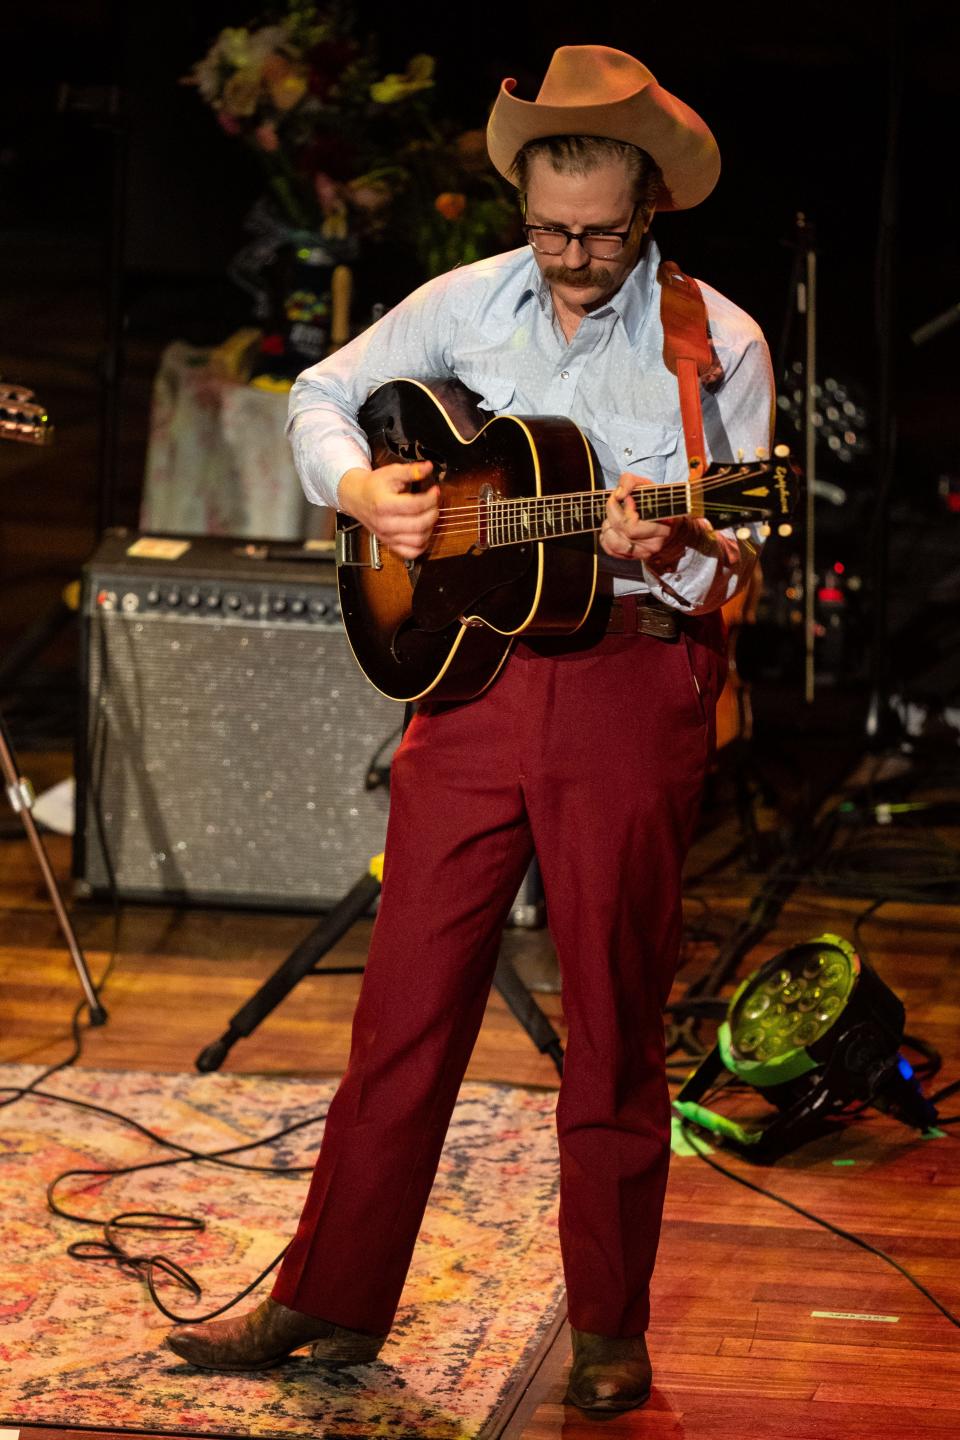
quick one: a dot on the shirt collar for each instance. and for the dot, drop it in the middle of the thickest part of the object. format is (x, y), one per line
(632, 302)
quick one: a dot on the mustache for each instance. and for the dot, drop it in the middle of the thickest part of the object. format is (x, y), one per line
(560, 275)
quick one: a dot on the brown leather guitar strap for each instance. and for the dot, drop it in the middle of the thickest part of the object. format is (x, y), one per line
(687, 353)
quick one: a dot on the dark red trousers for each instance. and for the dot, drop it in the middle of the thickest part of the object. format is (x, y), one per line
(596, 757)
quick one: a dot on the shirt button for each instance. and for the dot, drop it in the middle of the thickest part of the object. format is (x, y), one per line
(564, 374)
(628, 450)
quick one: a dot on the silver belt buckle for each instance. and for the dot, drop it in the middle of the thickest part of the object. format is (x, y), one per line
(657, 620)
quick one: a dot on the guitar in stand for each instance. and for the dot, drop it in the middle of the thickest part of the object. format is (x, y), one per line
(21, 418)
(514, 549)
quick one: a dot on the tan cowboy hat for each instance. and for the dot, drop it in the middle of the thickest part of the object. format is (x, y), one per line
(593, 90)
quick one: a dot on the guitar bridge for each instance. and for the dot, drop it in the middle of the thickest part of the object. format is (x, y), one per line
(351, 551)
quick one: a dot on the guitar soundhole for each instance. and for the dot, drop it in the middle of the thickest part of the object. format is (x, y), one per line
(409, 452)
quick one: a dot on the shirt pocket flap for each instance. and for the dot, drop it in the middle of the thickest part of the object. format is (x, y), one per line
(638, 446)
(495, 393)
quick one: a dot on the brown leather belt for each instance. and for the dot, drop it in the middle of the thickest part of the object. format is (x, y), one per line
(642, 615)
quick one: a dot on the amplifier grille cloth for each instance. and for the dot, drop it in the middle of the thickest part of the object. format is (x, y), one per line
(235, 760)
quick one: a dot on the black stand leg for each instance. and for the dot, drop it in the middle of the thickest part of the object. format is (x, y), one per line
(21, 797)
(301, 961)
(304, 961)
(525, 1009)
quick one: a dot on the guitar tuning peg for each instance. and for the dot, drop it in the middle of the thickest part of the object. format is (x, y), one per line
(782, 452)
(784, 530)
(744, 532)
(765, 530)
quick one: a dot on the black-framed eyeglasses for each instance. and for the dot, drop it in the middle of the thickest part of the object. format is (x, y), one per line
(598, 244)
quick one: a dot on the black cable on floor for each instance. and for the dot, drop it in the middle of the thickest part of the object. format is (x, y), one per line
(110, 1250)
(694, 1140)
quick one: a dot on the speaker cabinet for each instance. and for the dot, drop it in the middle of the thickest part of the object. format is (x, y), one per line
(232, 752)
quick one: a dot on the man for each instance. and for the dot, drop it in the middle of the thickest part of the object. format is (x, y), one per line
(591, 750)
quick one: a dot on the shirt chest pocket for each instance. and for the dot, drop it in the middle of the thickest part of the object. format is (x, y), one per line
(635, 446)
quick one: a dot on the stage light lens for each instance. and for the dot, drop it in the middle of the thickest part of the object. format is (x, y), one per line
(792, 1006)
(834, 973)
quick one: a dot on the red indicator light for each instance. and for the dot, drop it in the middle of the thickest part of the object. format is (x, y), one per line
(839, 568)
(830, 595)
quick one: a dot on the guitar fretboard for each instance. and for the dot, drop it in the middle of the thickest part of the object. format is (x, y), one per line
(510, 522)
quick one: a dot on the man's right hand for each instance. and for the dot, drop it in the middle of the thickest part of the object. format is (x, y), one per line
(383, 501)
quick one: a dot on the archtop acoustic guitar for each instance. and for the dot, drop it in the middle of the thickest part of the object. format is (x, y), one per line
(514, 549)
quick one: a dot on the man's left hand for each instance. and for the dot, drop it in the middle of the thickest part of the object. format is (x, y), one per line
(626, 537)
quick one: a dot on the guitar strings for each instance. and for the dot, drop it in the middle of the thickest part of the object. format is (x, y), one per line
(452, 516)
(454, 521)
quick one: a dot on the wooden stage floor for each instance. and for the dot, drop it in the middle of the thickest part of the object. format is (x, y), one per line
(764, 1324)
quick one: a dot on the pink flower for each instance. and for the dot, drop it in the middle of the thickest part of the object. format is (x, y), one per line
(327, 193)
(267, 138)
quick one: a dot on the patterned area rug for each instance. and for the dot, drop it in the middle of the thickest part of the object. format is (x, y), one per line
(81, 1343)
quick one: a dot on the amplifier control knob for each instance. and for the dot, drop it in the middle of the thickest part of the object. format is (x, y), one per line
(213, 600)
(298, 606)
(173, 597)
(193, 598)
(233, 601)
(318, 607)
(153, 596)
(279, 605)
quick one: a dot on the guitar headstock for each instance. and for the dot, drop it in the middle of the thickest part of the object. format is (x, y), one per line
(21, 418)
(767, 491)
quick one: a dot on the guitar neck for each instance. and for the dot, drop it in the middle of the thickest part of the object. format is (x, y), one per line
(543, 517)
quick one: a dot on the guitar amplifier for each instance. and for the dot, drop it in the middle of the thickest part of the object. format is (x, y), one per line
(232, 752)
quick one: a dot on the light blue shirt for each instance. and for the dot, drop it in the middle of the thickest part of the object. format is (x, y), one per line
(492, 326)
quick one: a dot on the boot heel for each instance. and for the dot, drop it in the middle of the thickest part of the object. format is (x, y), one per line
(346, 1347)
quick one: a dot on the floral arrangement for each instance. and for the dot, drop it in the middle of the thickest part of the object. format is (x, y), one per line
(349, 152)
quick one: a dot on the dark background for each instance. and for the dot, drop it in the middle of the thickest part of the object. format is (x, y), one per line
(847, 113)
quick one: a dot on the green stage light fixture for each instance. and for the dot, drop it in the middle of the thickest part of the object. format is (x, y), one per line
(815, 1030)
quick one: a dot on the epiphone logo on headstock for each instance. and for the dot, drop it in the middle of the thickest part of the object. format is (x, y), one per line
(780, 477)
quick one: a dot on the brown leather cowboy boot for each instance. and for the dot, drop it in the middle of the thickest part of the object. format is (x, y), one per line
(608, 1374)
(266, 1336)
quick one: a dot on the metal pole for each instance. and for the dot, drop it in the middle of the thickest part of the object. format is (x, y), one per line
(808, 307)
(21, 796)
